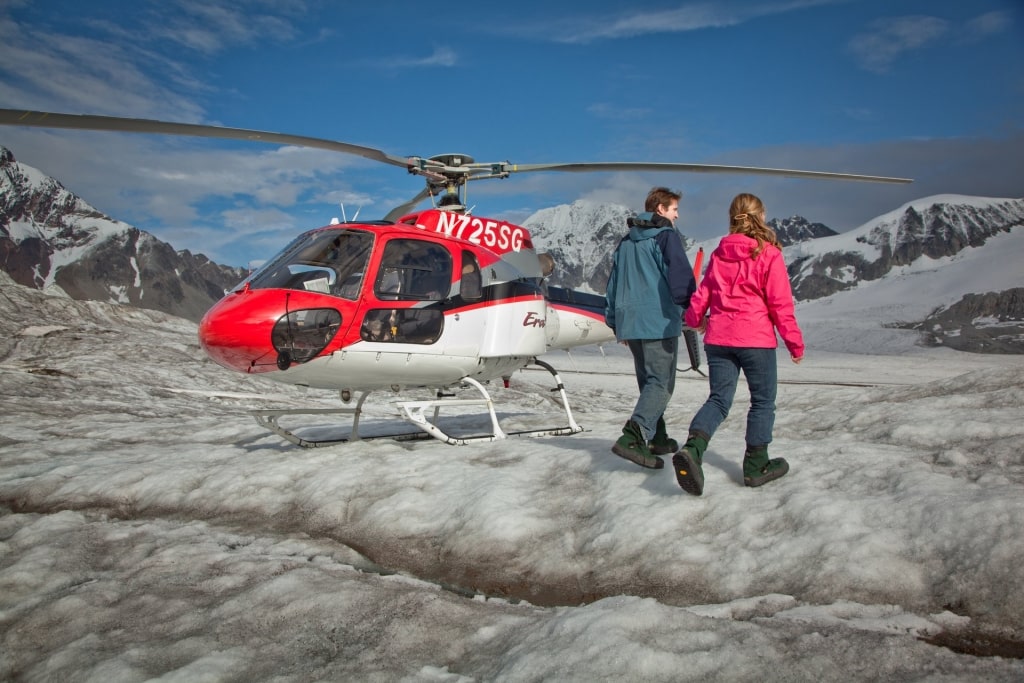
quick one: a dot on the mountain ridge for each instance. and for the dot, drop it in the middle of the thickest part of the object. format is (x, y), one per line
(51, 238)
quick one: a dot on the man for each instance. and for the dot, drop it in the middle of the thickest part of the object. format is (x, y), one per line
(649, 287)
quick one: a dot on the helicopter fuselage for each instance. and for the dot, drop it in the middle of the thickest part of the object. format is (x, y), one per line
(426, 301)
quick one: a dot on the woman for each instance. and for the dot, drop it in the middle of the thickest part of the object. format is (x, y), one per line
(746, 297)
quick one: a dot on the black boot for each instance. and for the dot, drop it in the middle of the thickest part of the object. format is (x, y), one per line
(633, 446)
(687, 463)
(758, 469)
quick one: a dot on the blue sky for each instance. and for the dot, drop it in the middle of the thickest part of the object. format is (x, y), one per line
(929, 89)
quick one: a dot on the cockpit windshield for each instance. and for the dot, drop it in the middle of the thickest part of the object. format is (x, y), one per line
(327, 261)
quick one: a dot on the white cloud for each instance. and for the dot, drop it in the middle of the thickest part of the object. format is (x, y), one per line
(209, 28)
(861, 113)
(603, 110)
(985, 25)
(120, 68)
(687, 17)
(441, 56)
(888, 40)
(169, 185)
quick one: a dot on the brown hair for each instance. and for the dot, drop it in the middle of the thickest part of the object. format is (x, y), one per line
(660, 196)
(746, 217)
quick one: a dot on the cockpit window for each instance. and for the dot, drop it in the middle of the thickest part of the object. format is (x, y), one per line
(327, 261)
(414, 269)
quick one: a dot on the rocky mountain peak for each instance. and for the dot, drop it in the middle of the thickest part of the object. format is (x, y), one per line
(797, 229)
(940, 228)
(581, 238)
(49, 237)
(930, 228)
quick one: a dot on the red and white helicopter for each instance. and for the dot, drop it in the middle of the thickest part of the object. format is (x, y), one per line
(435, 298)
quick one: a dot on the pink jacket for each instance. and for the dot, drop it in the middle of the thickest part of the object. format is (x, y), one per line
(748, 298)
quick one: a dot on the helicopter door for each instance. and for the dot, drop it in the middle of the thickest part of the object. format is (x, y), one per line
(417, 273)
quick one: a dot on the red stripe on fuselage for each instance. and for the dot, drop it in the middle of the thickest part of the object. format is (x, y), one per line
(579, 311)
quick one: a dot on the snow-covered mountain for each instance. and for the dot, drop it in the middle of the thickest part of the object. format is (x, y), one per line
(933, 228)
(50, 238)
(968, 250)
(797, 229)
(582, 236)
(947, 266)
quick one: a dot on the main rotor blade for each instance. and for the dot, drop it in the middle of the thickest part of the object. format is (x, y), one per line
(696, 168)
(42, 119)
(399, 211)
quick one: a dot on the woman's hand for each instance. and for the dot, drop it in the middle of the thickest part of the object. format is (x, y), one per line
(702, 328)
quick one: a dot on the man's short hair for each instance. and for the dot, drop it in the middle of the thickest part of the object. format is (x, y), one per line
(660, 196)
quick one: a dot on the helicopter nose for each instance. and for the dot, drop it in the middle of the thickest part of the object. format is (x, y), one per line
(236, 332)
(266, 330)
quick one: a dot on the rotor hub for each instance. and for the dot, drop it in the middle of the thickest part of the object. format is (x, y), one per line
(454, 160)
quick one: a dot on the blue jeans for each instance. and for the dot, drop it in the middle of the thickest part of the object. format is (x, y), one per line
(760, 368)
(655, 363)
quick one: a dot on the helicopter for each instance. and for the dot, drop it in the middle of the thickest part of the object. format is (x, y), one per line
(435, 298)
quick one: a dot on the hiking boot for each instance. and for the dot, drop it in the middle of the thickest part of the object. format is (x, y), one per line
(758, 469)
(661, 444)
(633, 447)
(687, 463)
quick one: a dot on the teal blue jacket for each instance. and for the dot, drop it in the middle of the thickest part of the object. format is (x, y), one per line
(650, 283)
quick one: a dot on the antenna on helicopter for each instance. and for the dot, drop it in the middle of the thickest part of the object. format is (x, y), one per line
(355, 217)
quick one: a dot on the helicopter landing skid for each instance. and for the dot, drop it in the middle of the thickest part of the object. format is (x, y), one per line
(413, 412)
(268, 418)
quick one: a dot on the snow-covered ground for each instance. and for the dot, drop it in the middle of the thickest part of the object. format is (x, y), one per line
(150, 529)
